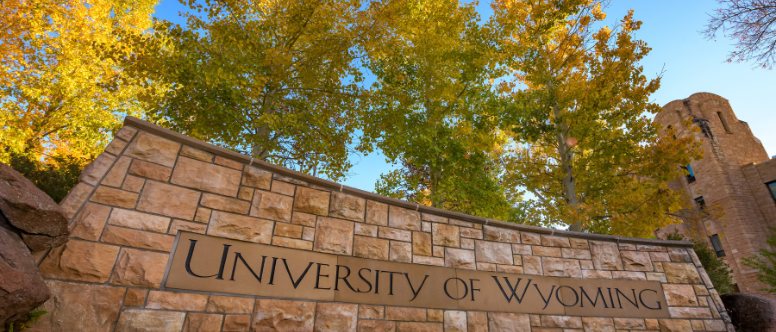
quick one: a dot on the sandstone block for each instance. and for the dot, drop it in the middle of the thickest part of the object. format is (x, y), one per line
(81, 261)
(561, 321)
(510, 269)
(405, 314)
(288, 230)
(587, 264)
(347, 207)
(334, 236)
(403, 218)
(655, 276)
(228, 163)
(312, 201)
(579, 243)
(606, 255)
(487, 267)
(139, 268)
(117, 173)
(135, 297)
(435, 315)
(659, 257)
(467, 244)
(257, 178)
(419, 327)
(93, 172)
(80, 307)
(126, 133)
(477, 321)
(714, 325)
(114, 197)
(493, 252)
(292, 243)
(308, 234)
(197, 154)
(652, 324)
(460, 258)
(115, 147)
(271, 206)
(168, 200)
(137, 238)
(425, 226)
(596, 274)
(689, 312)
(133, 184)
(560, 267)
(628, 275)
(461, 223)
(291, 180)
(555, 241)
(532, 265)
(89, 223)
(176, 301)
(421, 244)
(180, 225)
(245, 193)
(401, 252)
(220, 180)
(336, 317)
(198, 322)
(376, 213)
(427, 260)
(455, 321)
(132, 320)
(283, 188)
(546, 251)
(366, 230)
(303, 219)
(433, 218)
(680, 295)
(139, 220)
(282, 315)
(366, 311)
(394, 234)
(237, 323)
(530, 238)
(239, 227)
(230, 304)
(636, 261)
(149, 170)
(681, 273)
(471, 233)
(203, 215)
(446, 235)
(21, 285)
(522, 249)
(224, 203)
(508, 322)
(154, 149)
(596, 324)
(576, 253)
(376, 326)
(369, 247)
(501, 234)
(75, 199)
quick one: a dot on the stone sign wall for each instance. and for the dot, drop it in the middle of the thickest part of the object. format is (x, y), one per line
(173, 234)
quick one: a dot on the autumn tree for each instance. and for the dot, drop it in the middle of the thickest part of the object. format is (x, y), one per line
(751, 24)
(61, 94)
(579, 107)
(434, 113)
(278, 80)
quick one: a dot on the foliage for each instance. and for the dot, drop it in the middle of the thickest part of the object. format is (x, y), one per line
(55, 178)
(766, 263)
(278, 79)
(719, 272)
(578, 108)
(752, 24)
(27, 321)
(61, 93)
(433, 111)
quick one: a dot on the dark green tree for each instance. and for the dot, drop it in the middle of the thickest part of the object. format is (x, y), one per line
(766, 263)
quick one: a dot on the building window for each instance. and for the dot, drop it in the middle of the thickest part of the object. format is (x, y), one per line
(690, 175)
(717, 244)
(772, 188)
(724, 122)
(701, 203)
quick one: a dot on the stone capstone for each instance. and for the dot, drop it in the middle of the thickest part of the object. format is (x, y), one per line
(42, 223)
(21, 286)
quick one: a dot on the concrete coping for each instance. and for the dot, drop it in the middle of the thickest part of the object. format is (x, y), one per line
(248, 160)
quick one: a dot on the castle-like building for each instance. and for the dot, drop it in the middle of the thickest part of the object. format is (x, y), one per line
(735, 174)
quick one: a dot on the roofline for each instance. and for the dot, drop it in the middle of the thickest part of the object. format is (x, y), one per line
(219, 151)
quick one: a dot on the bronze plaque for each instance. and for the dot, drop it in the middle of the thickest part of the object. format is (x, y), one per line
(212, 264)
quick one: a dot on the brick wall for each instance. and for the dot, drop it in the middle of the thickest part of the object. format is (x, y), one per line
(151, 183)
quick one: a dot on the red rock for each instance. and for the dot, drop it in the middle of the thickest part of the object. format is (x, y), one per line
(21, 286)
(30, 210)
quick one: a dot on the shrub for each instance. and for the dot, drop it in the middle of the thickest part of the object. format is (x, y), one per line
(55, 177)
(765, 263)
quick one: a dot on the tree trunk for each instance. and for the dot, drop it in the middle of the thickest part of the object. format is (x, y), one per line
(567, 167)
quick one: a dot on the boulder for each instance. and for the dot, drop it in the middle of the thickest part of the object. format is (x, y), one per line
(21, 286)
(751, 313)
(41, 222)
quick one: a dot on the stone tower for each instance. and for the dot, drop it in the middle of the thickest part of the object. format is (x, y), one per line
(735, 174)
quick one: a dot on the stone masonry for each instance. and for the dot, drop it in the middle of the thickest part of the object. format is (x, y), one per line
(123, 220)
(733, 175)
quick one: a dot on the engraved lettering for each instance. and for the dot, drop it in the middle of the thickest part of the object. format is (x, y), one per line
(549, 296)
(634, 302)
(593, 302)
(465, 289)
(297, 281)
(365, 280)
(188, 261)
(415, 293)
(576, 296)
(512, 289)
(318, 276)
(345, 278)
(237, 255)
(659, 306)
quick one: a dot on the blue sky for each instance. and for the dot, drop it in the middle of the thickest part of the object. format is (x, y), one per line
(690, 62)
